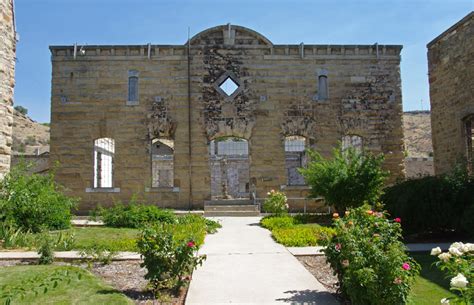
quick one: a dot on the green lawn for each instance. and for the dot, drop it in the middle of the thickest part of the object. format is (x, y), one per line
(431, 285)
(86, 290)
(117, 239)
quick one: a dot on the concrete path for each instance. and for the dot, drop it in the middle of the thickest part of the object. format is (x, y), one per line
(245, 266)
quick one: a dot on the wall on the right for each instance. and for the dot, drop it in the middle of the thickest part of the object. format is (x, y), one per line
(451, 78)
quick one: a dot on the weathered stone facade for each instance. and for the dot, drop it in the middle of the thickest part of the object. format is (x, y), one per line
(451, 77)
(7, 81)
(180, 98)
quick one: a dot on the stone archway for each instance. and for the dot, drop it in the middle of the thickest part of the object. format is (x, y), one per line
(230, 167)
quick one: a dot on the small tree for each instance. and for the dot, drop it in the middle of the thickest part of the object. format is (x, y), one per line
(348, 179)
(21, 109)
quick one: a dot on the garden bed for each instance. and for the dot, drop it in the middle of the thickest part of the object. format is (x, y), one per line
(429, 288)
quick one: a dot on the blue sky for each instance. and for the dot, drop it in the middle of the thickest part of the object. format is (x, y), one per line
(412, 23)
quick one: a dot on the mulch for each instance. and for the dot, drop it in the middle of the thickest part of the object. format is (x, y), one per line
(322, 271)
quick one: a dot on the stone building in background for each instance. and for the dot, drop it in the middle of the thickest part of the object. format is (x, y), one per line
(227, 116)
(7, 81)
(451, 77)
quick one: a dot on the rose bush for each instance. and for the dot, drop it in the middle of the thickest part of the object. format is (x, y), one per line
(169, 260)
(276, 203)
(369, 259)
(458, 263)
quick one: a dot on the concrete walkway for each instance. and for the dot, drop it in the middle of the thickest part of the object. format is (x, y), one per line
(245, 266)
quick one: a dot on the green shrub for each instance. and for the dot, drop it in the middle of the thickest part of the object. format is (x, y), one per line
(21, 109)
(441, 203)
(134, 215)
(347, 179)
(369, 258)
(34, 202)
(276, 203)
(324, 219)
(46, 250)
(272, 222)
(195, 220)
(169, 261)
(303, 236)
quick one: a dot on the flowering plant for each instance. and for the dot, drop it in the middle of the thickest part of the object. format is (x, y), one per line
(169, 262)
(369, 259)
(458, 263)
(276, 203)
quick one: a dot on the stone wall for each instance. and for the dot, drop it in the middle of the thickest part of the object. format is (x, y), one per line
(277, 96)
(451, 72)
(7, 81)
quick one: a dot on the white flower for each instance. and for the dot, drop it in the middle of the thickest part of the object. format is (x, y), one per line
(457, 245)
(470, 247)
(455, 251)
(459, 281)
(444, 301)
(444, 256)
(436, 251)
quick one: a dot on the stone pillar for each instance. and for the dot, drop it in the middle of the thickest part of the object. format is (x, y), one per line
(7, 82)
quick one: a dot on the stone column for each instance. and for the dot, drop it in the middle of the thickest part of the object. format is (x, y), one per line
(7, 82)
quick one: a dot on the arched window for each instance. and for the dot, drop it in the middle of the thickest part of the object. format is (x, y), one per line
(469, 137)
(353, 141)
(104, 150)
(132, 87)
(322, 87)
(162, 163)
(295, 158)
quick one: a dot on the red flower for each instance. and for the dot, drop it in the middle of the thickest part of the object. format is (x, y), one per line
(191, 244)
(397, 220)
(406, 266)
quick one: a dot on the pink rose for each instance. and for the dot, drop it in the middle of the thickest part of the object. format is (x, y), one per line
(397, 281)
(397, 220)
(191, 244)
(338, 247)
(406, 266)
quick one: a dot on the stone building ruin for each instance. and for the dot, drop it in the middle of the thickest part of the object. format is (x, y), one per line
(226, 115)
(7, 81)
(451, 74)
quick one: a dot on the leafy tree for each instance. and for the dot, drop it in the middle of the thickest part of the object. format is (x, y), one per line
(348, 179)
(21, 109)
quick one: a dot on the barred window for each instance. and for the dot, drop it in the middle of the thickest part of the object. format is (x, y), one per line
(104, 150)
(162, 163)
(353, 141)
(295, 158)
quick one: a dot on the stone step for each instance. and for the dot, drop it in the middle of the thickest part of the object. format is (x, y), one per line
(229, 202)
(232, 214)
(231, 208)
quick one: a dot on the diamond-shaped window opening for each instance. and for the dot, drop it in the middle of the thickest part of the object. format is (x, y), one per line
(229, 86)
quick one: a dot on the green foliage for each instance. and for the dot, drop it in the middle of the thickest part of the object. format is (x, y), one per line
(134, 215)
(46, 250)
(276, 203)
(439, 203)
(21, 109)
(273, 222)
(291, 232)
(303, 236)
(36, 285)
(34, 202)
(369, 258)
(458, 264)
(13, 237)
(347, 179)
(169, 260)
(209, 225)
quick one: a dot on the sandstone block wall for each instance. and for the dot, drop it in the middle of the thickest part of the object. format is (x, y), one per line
(451, 74)
(7, 81)
(277, 97)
